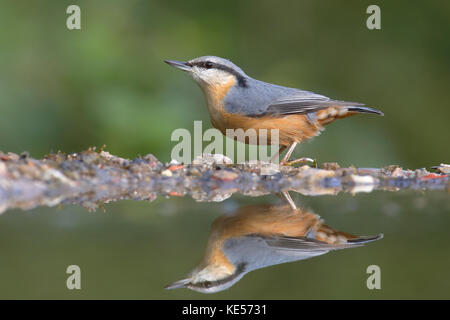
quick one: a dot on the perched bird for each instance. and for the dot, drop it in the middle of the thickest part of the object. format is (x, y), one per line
(259, 236)
(237, 101)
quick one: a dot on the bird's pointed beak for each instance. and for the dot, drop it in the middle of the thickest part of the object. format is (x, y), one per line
(178, 64)
(178, 284)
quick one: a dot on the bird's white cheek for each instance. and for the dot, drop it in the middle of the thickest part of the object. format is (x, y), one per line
(211, 273)
(196, 75)
(217, 77)
(209, 77)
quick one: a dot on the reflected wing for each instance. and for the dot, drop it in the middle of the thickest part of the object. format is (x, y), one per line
(258, 251)
(312, 245)
(300, 245)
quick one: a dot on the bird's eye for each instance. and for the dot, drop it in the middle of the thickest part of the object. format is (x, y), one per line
(208, 65)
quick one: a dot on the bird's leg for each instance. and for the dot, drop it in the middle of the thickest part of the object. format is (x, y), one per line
(288, 154)
(288, 198)
(276, 155)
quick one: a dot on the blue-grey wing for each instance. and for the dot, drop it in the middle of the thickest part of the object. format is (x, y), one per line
(260, 98)
(303, 105)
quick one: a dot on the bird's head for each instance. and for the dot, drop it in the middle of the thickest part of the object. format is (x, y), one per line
(211, 71)
(210, 279)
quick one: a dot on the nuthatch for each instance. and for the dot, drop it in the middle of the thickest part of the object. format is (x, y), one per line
(259, 236)
(237, 101)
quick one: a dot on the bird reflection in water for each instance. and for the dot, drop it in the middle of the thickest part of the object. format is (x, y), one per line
(259, 236)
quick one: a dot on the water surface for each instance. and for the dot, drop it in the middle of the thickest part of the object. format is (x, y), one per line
(134, 249)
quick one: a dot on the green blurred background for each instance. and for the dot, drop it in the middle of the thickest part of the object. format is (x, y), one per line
(107, 84)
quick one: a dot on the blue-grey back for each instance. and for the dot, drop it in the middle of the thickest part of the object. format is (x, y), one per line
(256, 97)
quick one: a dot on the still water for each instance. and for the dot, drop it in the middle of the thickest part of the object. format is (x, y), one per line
(261, 248)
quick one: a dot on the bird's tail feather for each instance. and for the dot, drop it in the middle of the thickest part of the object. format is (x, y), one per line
(343, 110)
(359, 241)
(361, 109)
(365, 239)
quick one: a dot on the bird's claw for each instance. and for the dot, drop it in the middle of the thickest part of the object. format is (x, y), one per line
(300, 160)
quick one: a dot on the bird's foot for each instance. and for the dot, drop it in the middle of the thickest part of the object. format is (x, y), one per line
(300, 160)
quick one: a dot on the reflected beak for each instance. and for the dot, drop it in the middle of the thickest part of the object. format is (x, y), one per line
(178, 64)
(178, 284)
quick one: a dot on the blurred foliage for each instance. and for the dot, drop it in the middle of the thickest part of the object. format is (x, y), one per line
(107, 84)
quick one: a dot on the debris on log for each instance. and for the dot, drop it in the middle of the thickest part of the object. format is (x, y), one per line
(95, 177)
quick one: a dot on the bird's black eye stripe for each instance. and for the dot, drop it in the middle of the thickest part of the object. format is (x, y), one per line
(204, 64)
(210, 65)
